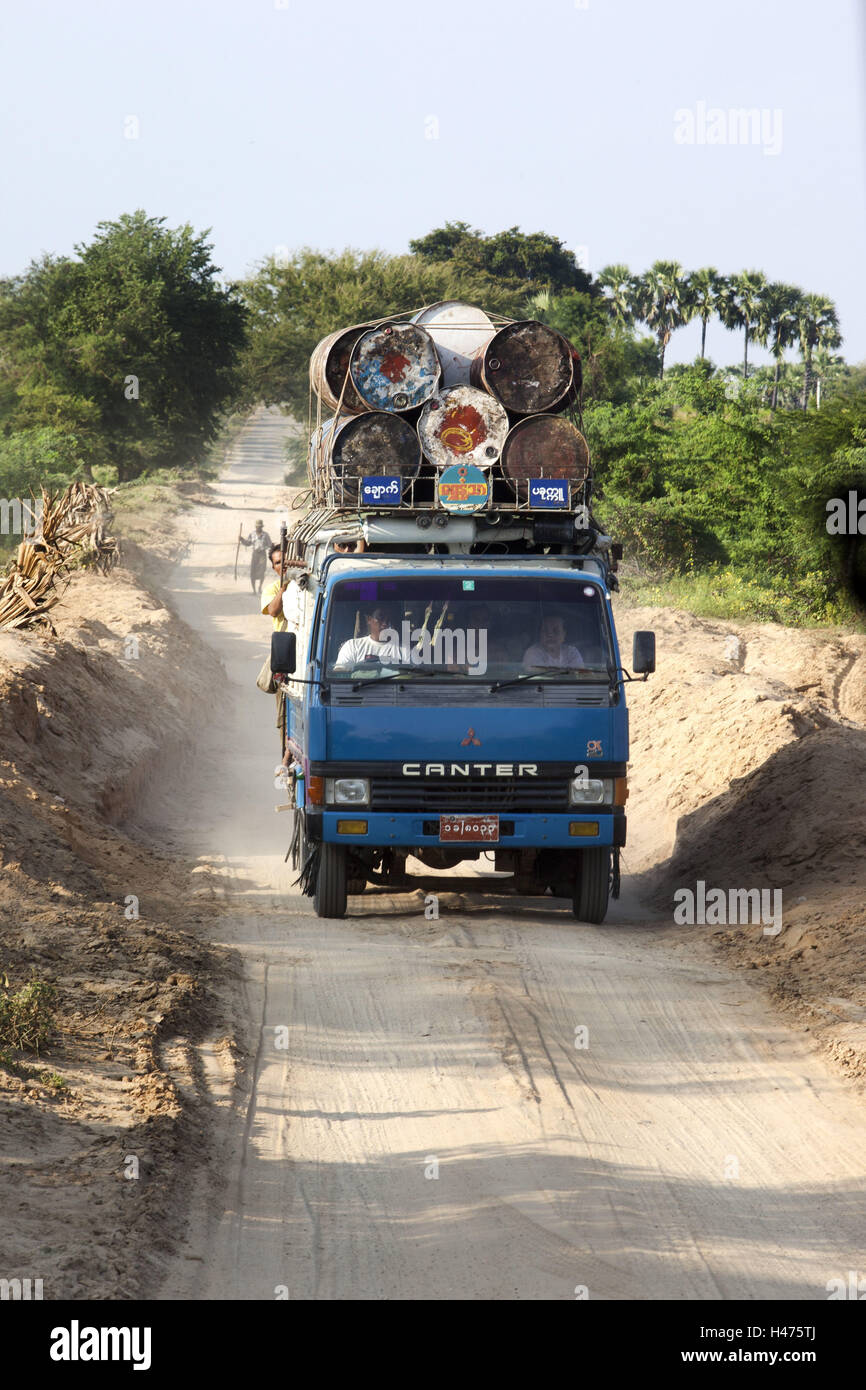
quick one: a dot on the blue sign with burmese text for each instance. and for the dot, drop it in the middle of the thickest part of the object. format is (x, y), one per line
(381, 492)
(548, 492)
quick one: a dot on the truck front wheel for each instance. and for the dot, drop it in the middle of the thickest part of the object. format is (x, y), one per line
(592, 884)
(329, 898)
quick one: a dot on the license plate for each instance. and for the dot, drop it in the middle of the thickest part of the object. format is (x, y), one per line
(474, 828)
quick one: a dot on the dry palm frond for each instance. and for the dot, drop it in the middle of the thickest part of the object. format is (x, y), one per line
(77, 520)
(74, 525)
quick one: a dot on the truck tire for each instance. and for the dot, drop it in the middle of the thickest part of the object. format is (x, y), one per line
(592, 884)
(329, 899)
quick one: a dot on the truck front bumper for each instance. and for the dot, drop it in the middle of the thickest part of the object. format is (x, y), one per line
(517, 830)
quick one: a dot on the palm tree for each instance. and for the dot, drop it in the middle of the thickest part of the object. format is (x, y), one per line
(825, 363)
(619, 283)
(703, 288)
(539, 304)
(739, 306)
(817, 326)
(662, 302)
(777, 324)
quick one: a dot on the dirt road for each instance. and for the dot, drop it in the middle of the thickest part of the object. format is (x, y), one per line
(429, 1123)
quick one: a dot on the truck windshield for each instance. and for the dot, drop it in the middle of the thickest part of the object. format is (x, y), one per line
(491, 628)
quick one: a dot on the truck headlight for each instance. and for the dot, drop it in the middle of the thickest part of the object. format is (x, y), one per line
(590, 791)
(347, 791)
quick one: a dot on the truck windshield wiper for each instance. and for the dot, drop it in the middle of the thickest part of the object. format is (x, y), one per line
(538, 671)
(394, 675)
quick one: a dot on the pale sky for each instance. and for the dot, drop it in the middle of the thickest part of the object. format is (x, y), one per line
(282, 123)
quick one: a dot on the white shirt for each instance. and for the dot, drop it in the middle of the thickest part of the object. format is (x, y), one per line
(540, 656)
(357, 649)
(259, 540)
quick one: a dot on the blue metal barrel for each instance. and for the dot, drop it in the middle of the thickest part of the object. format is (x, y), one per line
(395, 367)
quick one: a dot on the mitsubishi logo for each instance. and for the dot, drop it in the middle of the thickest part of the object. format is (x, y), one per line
(470, 738)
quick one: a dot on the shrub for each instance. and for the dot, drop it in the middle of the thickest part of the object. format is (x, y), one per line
(27, 1014)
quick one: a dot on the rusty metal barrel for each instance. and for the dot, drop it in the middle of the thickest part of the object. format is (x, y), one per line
(459, 331)
(463, 425)
(394, 367)
(545, 446)
(374, 444)
(531, 368)
(329, 366)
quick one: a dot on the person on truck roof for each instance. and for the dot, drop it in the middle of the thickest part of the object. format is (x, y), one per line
(381, 642)
(551, 649)
(344, 546)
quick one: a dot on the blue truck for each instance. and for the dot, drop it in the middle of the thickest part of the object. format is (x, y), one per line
(454, 691)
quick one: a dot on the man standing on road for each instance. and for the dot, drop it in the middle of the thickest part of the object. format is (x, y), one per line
(261, 544)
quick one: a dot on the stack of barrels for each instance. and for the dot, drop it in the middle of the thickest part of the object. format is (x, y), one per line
(412, 397)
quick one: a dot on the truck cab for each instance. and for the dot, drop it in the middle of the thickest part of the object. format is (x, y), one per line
(459, 709)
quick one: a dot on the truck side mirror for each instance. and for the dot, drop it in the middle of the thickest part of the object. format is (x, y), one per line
(643, 660)
(283, 652)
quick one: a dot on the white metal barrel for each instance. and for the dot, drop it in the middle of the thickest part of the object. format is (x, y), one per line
(460, 331)
(463, 425)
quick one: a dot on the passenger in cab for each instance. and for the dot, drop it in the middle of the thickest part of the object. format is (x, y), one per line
(382, 641)
(551, 649)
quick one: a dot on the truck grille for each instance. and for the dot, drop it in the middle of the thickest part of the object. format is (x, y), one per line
(425, 692)
(456, 794)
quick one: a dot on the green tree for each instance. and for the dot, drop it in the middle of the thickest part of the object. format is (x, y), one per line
(133, 345)
(38, 376)
(662, 302)
(739, 306)
(615, 362)
(36, 458)
(825, 458)
(777, 325)
(828, 367)
(445, 242)
(619, 286)
(534, 260)
(293, 304)
(702, 293)
(817, 326)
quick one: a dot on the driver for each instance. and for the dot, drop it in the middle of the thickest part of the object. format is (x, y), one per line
(551, 649)
(381, 643)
